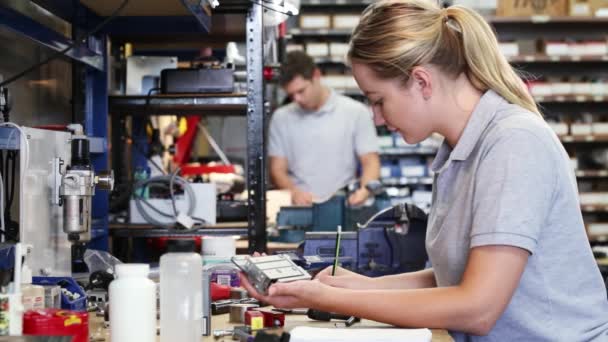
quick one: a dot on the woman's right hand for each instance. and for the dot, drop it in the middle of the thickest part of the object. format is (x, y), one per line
(344, 279)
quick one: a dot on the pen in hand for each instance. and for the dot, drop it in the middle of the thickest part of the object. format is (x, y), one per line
(338, 238)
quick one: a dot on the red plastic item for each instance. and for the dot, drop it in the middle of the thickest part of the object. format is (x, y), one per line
(272, 319)
(57, 322)
(160, 243)
(254, 319)
(192, 170)
(186, 141)
(219, 291)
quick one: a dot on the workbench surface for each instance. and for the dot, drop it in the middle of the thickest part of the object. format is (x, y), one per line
(291, 321)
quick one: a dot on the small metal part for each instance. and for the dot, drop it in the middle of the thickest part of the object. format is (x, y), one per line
(222, 333)
(237, 312)
(223, 306)
(104, 180)
(264, 271)
(242, 333)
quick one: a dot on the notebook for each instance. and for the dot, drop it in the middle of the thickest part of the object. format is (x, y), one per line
(306, 334)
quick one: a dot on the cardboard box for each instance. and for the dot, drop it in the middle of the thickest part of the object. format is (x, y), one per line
(580, 8)
(599, 128)
(338, 50)
(599, 8)
(317, 49)
(580, 129)
(509, 49)
(560, 128)
(345, 21)
(315, 21)
(526, 8)
(556, 48)
(588, 8)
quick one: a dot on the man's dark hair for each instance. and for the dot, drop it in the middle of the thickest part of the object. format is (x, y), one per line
(297, 63)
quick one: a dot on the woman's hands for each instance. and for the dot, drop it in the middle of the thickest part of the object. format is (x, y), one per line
(344, 279)
(297, 294)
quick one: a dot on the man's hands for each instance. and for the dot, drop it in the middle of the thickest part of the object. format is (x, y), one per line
(299, 197)
(358, 197)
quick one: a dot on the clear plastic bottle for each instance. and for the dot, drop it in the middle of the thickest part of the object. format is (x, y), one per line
(33, 295)
(132, 304)
(181, 293)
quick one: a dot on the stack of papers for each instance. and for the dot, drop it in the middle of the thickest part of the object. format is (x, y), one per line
(310, 334)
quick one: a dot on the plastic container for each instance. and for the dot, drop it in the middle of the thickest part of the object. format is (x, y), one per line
(181, 293)
(33, 295)
(77, 301)
(132, 304)
(56, 322)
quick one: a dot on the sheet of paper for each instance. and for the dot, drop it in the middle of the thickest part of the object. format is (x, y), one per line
(353, 334)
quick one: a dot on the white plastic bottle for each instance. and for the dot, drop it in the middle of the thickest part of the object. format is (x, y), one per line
(181, 293)
(132, 304)
(33, 295)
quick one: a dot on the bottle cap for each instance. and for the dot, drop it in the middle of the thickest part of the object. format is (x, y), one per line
(132, 270)
(181, 245)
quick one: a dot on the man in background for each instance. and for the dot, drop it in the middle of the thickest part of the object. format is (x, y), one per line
(317, 140)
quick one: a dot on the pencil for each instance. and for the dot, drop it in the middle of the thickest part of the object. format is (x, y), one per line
(338, 238)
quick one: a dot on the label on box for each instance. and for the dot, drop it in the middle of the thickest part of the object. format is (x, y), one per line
(224, 279)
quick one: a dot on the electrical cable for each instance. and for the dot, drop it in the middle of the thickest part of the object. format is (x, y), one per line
(155, 181)
(172, 179)
(74, 44)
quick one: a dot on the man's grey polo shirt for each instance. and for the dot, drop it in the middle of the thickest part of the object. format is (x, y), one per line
(322, 147)
(508, 181)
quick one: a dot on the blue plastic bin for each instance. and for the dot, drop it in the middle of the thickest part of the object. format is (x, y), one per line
(71, 285)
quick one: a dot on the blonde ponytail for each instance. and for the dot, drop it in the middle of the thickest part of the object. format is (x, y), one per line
(486, 65)
(393, 36)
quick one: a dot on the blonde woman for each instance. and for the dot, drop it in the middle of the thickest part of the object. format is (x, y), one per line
(510, 257)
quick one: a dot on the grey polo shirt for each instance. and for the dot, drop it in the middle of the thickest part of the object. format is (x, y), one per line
(508, 181)
(322, 147)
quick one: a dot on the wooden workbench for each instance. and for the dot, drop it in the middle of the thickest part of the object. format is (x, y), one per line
(291, 321)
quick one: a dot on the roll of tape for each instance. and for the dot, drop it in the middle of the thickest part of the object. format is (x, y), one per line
(237, 312)
(218, 246)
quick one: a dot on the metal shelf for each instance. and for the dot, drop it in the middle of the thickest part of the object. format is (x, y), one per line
(360, 4)
(320, 33)
(201, 104)
(89, 54)
(541, 58)
(142, 230)
(591, 173)
(543, 19)
(408, 151)
(583, 138)
(407, 181)
(594, 208)
(571, 98)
